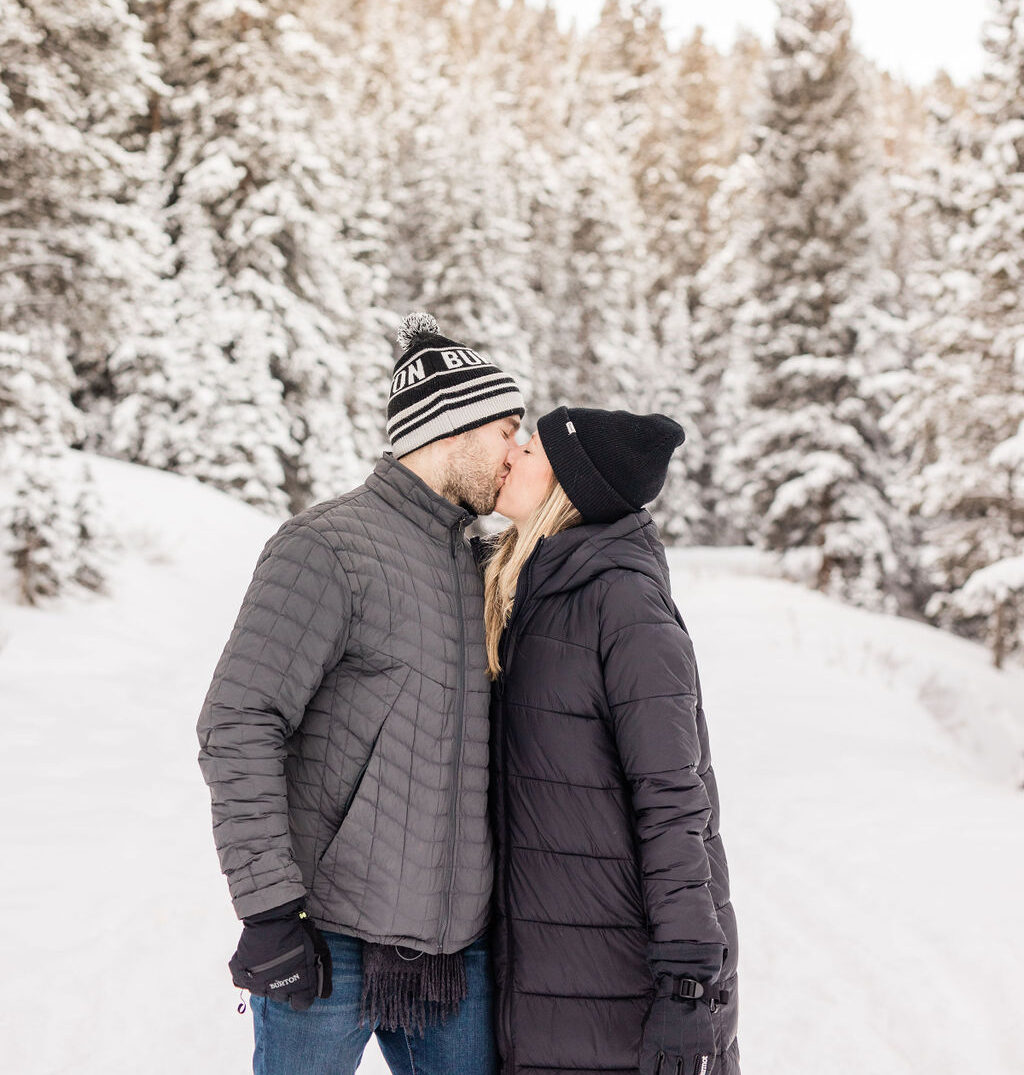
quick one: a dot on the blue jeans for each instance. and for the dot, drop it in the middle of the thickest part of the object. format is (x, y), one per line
(328, 1040)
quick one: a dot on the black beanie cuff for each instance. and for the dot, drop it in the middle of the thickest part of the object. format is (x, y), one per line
(584, 485)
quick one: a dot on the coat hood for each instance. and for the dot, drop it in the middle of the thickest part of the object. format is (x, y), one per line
(576, 556)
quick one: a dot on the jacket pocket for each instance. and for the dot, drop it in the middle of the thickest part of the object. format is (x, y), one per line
(349, 800)
(358, 782)
(331, 860)
(278, 960)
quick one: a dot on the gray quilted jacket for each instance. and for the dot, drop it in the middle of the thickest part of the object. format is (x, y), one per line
(344, 735)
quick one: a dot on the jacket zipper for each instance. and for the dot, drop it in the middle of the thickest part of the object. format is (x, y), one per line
(508, 651)
(460, 707)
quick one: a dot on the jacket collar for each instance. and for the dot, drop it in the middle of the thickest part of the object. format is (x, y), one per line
(409, 495)
(574, 557)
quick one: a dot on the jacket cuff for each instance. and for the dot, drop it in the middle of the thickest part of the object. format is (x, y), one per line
(276, 914)
(694, 959)
(266, 899)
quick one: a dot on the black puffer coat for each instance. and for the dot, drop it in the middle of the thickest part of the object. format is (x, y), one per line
(605, 806)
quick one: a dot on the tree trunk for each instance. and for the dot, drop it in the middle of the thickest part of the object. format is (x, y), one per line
(999, 636)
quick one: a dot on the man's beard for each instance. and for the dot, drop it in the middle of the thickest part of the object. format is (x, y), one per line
(469, 479)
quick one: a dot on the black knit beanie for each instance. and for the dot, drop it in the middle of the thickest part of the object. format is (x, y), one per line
(609, 463)
(440, 388)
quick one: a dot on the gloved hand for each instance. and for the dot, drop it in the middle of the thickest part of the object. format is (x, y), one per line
(678, 1039)
(283, 956)
(678, 1035)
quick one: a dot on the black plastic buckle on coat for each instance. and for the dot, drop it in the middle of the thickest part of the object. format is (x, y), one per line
(691, 989)
(687, 989)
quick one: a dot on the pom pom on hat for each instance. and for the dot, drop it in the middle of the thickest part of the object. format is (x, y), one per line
(414, 325)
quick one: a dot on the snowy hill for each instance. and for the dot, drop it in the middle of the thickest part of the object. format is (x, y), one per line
(869, 771)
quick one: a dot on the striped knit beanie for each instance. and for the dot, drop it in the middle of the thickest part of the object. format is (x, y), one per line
(441, 388)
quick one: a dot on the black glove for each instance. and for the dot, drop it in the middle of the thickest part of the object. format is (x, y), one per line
(678, 1035)
(678, 1039)
(283, 956)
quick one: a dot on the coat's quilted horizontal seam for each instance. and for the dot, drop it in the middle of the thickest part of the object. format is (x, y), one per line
(650, 698)
(608, 636)
(631, 927)
(584, 996)
(650, 855)
(565, 783)
(557, 640)
(573, 854)
(530, 705)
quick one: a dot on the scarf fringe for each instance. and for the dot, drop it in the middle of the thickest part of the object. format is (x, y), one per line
(412, 992)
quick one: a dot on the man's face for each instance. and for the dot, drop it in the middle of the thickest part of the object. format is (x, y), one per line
(478, 464)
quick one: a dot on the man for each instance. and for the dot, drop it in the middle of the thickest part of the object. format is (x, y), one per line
(344, 741)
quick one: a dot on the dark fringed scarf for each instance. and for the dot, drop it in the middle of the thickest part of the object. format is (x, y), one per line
(410, 989)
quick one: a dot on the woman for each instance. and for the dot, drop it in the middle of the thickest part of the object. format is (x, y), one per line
(614, 938)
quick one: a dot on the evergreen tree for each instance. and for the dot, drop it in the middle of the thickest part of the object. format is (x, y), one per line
(620, 74)
(965, 397)
(681, 165)
(991, 601)
(536, 88)
(609, 355)
(75, 243)
(803, 467)
(48, 515)
(74, 257)
(457, 216)
(271, 299)
(602, 343)
(53, 542)
(742, 80)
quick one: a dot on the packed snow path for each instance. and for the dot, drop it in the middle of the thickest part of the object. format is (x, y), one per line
(868, 770)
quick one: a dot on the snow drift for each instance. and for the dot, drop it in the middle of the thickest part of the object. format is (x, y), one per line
(868, 766)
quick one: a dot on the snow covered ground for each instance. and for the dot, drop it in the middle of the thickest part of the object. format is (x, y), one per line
(869, 771)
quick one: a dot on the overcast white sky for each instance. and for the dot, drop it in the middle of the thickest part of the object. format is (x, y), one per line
(911, 38)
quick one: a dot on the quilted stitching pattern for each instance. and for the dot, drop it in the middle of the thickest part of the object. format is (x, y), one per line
(331, 739)
(605, 803)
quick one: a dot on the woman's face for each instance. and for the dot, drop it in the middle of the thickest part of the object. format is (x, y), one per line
(527, 482)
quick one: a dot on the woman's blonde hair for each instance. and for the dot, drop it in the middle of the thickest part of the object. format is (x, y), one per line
(512, 548)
